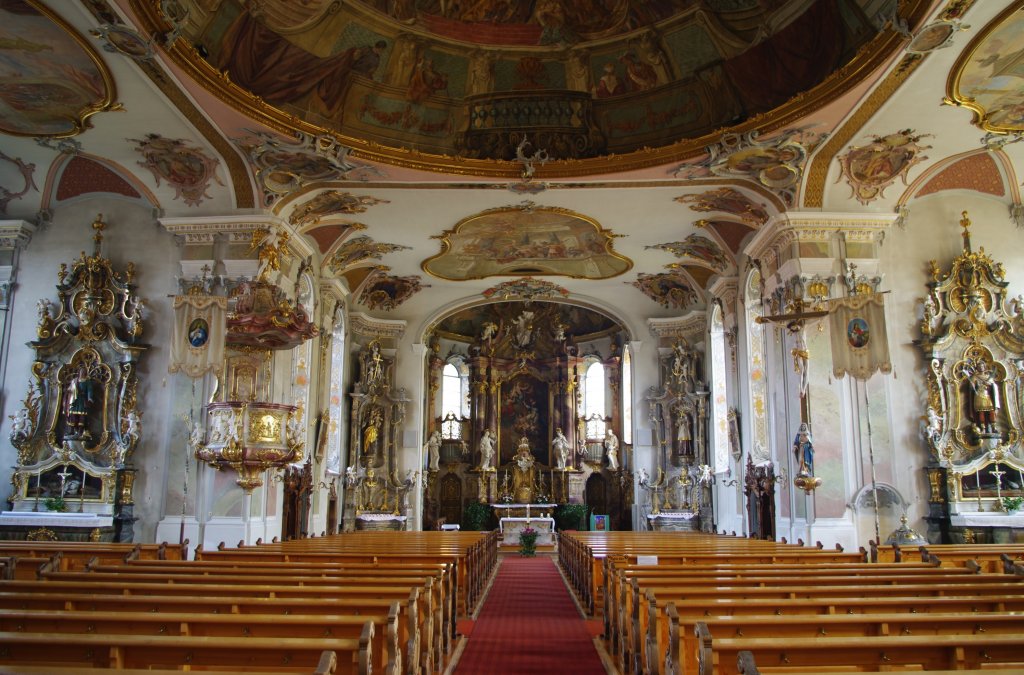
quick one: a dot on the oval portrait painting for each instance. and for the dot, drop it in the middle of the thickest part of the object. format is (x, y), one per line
(198, 332)
(858, 333)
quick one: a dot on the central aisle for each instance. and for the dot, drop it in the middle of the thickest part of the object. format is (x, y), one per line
(529, 624)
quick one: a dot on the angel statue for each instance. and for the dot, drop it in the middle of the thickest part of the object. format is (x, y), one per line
(933, 432)
(611, 449)
(21, 426)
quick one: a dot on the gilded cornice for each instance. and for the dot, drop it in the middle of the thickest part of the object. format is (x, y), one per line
(868, 59)
(374, 327)
(15, 233)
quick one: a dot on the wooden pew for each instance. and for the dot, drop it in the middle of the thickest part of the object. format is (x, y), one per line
(75, 555)
(682, 649)
(718, 656)
(328, 665)
(282, 655)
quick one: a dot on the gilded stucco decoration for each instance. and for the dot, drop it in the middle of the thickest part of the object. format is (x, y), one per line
(699, 248)
(527, 289)
(668, 289)
(776, 164)
(360, 249)
(386, 292)
(285, 166)
(870, 169)
(27, 171)
(527, 240)
(988, 78)
(188, 170)
(329, 203)
(53, 79)
(728, 200)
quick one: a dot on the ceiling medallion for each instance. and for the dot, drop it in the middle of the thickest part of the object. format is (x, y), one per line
(701, 249)
(386, 292)
(26, 171)
(360, 249)
(870, 169)
(527, 288)
(728, 200)
(526, 240)
(188, 170)
(329, 203)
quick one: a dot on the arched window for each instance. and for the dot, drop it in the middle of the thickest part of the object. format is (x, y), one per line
(719, 399)
(627, 396)
(758, 390)
(594, 410)
(454, 389)
(335, 407)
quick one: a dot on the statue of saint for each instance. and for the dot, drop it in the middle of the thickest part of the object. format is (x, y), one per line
(803, 450)
(375, 367)
(487, 451)
(611, 450)
(985, 400)
(524, 329)
(684, 434)
(560, 446)
(434, 450)
(81, 393)
(371, 431)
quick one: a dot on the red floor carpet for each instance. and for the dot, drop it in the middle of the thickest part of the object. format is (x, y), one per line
(529, 624)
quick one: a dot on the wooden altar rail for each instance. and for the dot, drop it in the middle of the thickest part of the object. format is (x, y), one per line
(718, 656)
(421, 630)
(319, 612)
(682, 653)
(640, 630)
(283, 655)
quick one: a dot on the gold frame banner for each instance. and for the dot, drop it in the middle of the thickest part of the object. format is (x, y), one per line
(860, 343)
(200, 325)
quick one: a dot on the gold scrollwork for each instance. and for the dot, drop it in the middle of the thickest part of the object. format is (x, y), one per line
(42, 534)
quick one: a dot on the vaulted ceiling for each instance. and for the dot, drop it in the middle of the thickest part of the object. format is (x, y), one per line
(615, 150)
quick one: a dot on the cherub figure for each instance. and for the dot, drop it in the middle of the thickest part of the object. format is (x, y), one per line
(20, 426)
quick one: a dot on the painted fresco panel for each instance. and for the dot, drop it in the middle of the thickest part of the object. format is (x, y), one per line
(993, 76)
(524, 412)
(690, 48)
(51, 80)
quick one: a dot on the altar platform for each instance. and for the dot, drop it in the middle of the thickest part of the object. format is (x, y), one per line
(523, 510)
(511, 528)
(55, 526)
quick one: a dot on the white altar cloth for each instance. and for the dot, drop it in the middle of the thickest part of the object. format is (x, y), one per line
(512, 527)
(55, 519)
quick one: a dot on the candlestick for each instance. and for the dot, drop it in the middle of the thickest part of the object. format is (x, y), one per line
(39, 480)
(81, 493)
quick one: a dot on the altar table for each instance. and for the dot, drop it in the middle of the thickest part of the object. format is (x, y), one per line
(512, 527)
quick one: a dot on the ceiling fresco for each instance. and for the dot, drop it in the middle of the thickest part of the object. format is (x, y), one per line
(457, 81)
(989, 77)
(526, 239)
(51, 79)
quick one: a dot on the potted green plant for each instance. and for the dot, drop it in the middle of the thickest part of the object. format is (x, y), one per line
(570, 516)
(528, 542)
(1012, 504)
(475, 516)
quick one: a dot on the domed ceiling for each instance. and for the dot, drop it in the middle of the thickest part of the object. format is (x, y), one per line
(441, 83)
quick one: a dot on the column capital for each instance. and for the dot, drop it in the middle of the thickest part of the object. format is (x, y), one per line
(15, 233)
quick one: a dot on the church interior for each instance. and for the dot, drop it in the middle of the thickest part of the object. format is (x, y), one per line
(277, 270)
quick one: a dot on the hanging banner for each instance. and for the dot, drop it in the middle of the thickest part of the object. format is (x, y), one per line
(860, 345)
(197, 346)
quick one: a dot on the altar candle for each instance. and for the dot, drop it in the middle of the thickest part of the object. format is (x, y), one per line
(39, 479)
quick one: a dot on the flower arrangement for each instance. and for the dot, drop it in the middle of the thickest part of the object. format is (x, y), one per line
(1011, 504)
(528, 542)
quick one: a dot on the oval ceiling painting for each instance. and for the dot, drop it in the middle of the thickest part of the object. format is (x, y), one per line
(526, 240)
(52, 80)
(988, 78)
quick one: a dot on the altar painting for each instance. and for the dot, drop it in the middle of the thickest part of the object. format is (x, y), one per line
(52, 79)
(524, 241)
(988, 78)
(523, 412)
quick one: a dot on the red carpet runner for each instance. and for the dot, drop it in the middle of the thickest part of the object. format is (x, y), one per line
(529, 624)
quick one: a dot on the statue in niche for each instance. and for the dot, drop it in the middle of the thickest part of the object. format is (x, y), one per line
(985, 396)
(803, 450)
(523, 472)
(524, 329)
(434, 450)
(371, 431)
(560, 446)
(680, 364)
(684, 431)
(487, 451)
(375, 369)
(81, 397)
(611, 450)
